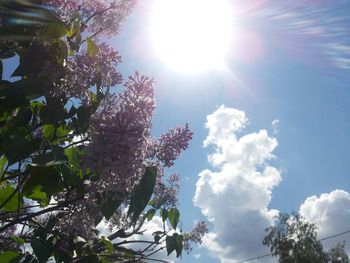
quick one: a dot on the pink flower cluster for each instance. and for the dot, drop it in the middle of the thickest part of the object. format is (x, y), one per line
(165, 194)
(83, 70)
(119, 133)
(96, 15)
(79, 219)
(172, 143)
(121, 140)
(196, 235)
(110, 15)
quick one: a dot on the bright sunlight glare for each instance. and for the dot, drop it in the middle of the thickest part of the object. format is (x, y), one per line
(192, 35)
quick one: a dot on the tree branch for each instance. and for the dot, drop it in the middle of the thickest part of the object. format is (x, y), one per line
(19, 220)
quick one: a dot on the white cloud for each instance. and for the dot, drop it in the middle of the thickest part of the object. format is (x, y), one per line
(331, 214)
(235, 197)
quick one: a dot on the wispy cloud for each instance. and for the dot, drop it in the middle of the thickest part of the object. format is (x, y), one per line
(275, 126)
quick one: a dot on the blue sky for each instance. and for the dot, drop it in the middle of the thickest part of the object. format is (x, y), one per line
(295, 70)
(289, 64)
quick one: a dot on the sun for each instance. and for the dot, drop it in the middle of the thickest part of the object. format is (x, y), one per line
(192, 35)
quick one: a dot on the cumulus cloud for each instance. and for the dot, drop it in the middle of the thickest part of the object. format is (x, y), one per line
(236, 195)
(330, 212)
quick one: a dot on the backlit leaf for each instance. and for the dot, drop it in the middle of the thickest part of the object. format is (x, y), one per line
(174, 216)
(9, 195)
(92, 48)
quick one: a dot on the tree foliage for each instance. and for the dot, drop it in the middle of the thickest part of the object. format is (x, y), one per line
(338, 254)
(73, 154)
(293, 240)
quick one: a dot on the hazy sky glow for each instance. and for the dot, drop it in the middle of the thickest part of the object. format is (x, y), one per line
(271, 130)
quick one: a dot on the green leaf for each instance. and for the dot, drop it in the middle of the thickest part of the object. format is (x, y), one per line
(54, 158)
(48, 131)
(142, 193)
(90, 259)
(18, 240)
(38, 195)
(31, 62)
(84, 114)
(108, 244)
(98, 218)
(71, 31)
(19, 148)
(150, 213)
(111, 204)
(92, 48)
(58, 52)
(54, 29)
(178, 244)
(164, 214)
(53, 112)
(174, 216)
(157, 235)
(6, 51)
(31, 88)
(170, 242)
(58, 153)
(42, 250)
(174, 242)
(29, 258)
(61, 131)
(3, 162)
(156, 238)
(10, 257)
(47, 179)
(22, 118)
(9, 195)
(152, 203)
(27, 20)
(70, 152)
(77, 35)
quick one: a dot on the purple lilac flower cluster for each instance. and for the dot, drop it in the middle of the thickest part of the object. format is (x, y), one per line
(97, 15)
(172, 143)
(196, 235)
(83, 70)
(119, 132)
(165, 194)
